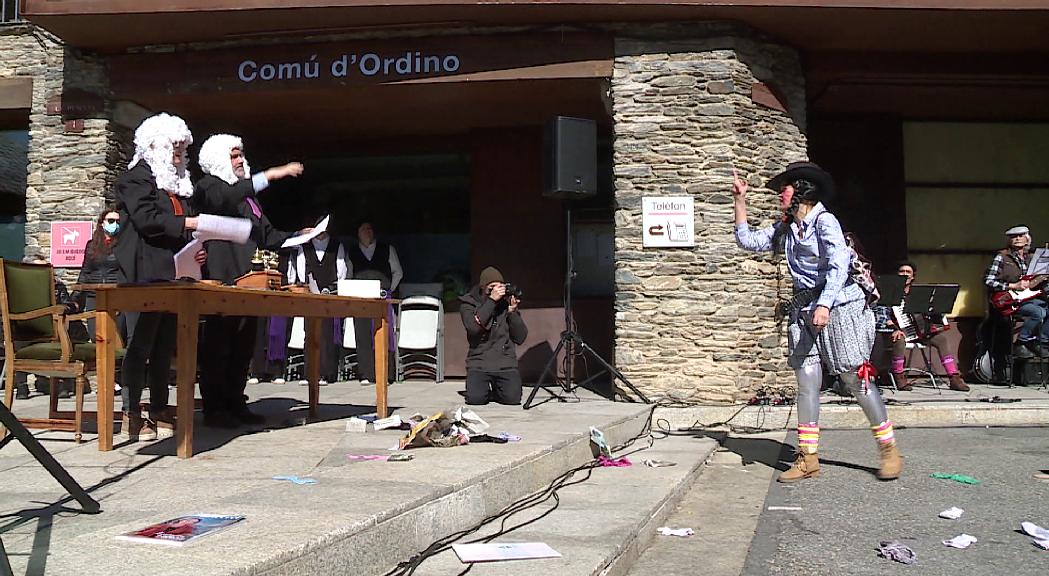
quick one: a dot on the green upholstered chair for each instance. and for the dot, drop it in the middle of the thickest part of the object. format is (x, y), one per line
(36, 340)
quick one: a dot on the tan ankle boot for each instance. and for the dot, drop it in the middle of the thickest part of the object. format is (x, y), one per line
(805, 466)
(890, 464)
(957, 383)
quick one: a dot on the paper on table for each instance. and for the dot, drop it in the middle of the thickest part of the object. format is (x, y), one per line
(1039, 262)
(497, 552)
(212, 227)
(185, 261)
(304, 238)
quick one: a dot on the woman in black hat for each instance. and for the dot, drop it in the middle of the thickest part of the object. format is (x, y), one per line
(831, 326)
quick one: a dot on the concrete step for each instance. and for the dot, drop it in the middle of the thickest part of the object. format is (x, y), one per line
(601, 525)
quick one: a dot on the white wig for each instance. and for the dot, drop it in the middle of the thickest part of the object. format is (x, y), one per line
(155, 141)
(214, 157)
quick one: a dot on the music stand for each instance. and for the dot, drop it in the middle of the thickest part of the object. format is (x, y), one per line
(930, 299)
(890, 288)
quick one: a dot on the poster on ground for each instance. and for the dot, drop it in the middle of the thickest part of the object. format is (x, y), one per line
(182, 530)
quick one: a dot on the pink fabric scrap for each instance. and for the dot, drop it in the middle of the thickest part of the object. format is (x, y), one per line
(613, 463)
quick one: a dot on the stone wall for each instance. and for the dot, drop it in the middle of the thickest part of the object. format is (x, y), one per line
(696, 324)
(69, 173)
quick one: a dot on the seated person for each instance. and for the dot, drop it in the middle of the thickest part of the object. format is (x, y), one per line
(930, 330)
(494, 329)
(1006, 273)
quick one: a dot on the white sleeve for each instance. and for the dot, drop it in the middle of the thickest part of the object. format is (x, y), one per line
(395, 267)
(342, 267)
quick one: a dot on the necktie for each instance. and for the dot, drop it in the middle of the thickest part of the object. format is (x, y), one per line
(254, 206)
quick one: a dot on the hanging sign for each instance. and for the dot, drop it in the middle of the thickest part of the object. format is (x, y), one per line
(668, 221)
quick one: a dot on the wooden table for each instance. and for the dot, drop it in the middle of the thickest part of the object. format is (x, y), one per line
(190, 301)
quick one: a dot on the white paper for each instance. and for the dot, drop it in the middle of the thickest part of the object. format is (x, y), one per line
(212, 227)
(391, 422)
(952, 513)
(961, 541)
(304, 238)
(498, 552)
(1043, 544)
(683, 532)
(1039, 262)
(1034, 530)
(185, 261)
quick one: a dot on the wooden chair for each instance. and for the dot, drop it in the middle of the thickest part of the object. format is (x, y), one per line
(32, 317)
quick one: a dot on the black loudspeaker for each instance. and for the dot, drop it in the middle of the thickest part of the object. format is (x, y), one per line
(571, 159)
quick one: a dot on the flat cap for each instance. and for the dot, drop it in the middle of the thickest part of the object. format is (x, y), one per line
(1017, 230)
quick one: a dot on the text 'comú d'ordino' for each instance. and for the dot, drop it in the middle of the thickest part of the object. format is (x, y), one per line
(368, 64)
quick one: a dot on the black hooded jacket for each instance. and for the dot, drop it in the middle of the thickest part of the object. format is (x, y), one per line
(492, 331)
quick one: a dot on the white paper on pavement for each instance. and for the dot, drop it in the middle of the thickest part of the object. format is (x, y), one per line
(496, 552)
(961, 541)
(1043, 544)
(304, 238)
(212, 227)
(1035, 531)
(1039, 262)
(952, 513)
(683, 532)
(185, 260)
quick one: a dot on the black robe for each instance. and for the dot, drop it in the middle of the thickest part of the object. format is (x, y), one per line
(228, 261)
(151, 231)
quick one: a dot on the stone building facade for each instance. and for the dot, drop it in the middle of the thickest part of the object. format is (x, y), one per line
(696, 324)
(70, 168)
(689, 104)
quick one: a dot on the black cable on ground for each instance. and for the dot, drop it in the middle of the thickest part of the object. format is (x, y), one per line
(409, 566)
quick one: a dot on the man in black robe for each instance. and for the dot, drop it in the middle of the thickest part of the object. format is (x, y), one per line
(229, 341)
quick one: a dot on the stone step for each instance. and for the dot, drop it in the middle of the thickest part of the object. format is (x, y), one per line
(601, 525)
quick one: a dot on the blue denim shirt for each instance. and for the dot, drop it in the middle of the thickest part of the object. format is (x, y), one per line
(814, 257)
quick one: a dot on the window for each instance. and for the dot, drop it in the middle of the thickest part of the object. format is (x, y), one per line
(9, 11)
(14, 149)
(966, 184)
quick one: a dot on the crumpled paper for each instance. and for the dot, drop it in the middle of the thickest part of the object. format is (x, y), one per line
(956, 477)
(897, 551)
(1039, 536)
(668, 531)
(952, 513)
(296, 479)
(961, 541)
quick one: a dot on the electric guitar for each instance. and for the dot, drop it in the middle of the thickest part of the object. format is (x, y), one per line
(1007, 302)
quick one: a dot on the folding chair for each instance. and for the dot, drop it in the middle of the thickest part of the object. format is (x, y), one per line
(420, 336)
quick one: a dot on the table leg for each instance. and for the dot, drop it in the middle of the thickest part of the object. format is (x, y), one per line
(313, 360)
(381, 363)
(186, 375)
(105, 363)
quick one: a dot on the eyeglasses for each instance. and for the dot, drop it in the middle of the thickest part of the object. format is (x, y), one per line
(111, 220)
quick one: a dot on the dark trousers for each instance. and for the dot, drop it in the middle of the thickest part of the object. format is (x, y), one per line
(365, 337)
(262, 367)
(503, 386)
(331, 351)
(147, 360)
(228, 343)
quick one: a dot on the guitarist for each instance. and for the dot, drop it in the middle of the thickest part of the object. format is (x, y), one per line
(928, 335)
(1006, 272)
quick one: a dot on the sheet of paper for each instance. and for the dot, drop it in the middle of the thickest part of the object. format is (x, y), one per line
(1039, 262)
(211, 227)
(496, 552)
(304, 238)
(185, 263)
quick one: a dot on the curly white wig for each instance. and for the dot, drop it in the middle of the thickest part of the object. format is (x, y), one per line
(214, 157)
(155, 141)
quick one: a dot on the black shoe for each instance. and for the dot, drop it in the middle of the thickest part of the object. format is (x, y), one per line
(1022, 350)
(22, 391)
(1042, 350)
(246, 416)
(219, 419)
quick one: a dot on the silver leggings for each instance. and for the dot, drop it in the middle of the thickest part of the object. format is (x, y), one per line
(810, 378)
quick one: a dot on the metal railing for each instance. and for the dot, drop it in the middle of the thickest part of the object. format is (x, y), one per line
(9, 11)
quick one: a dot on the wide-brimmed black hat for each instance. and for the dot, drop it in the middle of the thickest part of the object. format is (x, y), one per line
(805, 171)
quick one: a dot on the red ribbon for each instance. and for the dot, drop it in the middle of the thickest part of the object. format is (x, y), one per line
(866, 371)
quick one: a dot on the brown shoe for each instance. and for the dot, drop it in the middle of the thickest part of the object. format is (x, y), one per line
(805, 466)
(131, 427)
(163, 422)
(890, 464)
(958, 384)
(901, 382)
(149, 430)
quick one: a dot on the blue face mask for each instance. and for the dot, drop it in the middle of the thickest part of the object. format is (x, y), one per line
(111, 228)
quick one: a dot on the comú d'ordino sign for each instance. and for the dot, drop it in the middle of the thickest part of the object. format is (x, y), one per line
(368, 64)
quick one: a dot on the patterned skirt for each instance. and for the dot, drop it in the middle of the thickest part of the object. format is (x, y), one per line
(843, 344)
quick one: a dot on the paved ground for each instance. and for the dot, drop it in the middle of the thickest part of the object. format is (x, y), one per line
(846, 512)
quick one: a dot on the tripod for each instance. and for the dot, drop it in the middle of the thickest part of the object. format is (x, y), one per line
(570, 342)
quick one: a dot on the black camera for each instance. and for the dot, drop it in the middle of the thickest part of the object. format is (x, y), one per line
(512, 290)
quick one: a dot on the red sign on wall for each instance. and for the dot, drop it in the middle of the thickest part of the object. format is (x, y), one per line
(68, 240)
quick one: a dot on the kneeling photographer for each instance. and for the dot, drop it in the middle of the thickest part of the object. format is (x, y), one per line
(494, 329)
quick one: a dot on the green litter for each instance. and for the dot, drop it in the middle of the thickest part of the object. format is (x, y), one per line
(956, 477)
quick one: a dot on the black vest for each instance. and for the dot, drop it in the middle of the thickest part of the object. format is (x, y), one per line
(325, 272)
(380, 261)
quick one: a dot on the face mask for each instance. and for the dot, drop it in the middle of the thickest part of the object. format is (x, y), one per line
(111, 228)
